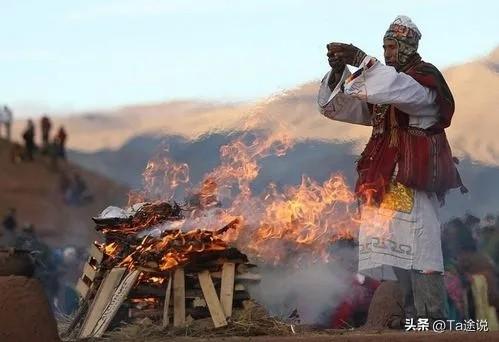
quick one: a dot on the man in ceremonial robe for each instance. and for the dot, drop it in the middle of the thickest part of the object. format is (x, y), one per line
(406, 167)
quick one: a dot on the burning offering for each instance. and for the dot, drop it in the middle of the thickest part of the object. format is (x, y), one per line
(175, 264)
(138, 272)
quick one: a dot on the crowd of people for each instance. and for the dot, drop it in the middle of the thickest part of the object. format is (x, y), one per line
(54, 267)
(51, 144)
(470, 248)
(55, 147)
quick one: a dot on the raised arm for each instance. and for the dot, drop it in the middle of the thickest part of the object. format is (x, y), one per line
(377, 83)
(336, 105)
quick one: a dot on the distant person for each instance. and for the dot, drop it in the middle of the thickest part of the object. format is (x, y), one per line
(27, 237)
(78, 194)
(46, 268)
(9, 224)
(6, 121)
(2, 120)
(61, 138)
(46, 126)
(489, 242)
(29, 139)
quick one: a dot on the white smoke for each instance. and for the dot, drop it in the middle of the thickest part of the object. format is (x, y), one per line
(314, 291)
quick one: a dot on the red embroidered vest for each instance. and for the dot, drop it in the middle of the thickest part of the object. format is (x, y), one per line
(417, 158)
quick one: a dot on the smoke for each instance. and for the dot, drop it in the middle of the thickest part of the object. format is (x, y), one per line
(313, 291)
(299, 228)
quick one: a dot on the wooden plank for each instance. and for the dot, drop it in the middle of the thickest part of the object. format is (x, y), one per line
(114, 304)
(243, 276)
(210, 296)
(227, 287)
(101, 299)
(82, 288)
(95, 253)
(166, 306)
(179, 298)
(89, 271)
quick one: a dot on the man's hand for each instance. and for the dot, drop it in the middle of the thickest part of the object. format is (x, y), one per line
(340, 53)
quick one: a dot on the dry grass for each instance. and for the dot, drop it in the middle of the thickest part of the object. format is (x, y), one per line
(253, 320)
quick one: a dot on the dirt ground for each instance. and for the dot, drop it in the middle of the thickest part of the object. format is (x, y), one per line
(348, 336)
(25, 314)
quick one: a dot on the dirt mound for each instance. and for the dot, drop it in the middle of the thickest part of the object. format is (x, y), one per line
(386, 304)
(25, 314)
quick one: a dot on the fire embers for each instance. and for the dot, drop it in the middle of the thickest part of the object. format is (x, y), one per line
(278, 221)
(157, 251)
(172, 249)
(146, 216)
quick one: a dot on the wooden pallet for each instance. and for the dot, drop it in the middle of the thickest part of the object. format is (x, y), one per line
(90, 271)
(211, 293)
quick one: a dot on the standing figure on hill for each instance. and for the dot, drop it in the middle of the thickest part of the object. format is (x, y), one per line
(6, 121)
(9, 224)
(29, 139)
(45, 125)
(60, 141)
(407, 166)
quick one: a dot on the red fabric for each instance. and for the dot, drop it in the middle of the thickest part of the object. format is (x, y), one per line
(424, 157)
(61, 135)
(429, 76)
(425, 163)
(358, 300)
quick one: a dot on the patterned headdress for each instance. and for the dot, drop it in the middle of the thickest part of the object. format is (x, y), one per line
(407, 35)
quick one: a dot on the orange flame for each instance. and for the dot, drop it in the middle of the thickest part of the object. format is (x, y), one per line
(306, 217)
(162, 176)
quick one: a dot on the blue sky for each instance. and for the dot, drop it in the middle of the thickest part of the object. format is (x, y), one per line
(62, 56)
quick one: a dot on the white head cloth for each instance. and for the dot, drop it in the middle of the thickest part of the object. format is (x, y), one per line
(404, 20)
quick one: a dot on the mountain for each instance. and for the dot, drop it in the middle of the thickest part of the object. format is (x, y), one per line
(33, 188)
(314, 158)
(119, 143)
(472, 134)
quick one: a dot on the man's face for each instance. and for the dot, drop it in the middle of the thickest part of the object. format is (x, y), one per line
(390, 47)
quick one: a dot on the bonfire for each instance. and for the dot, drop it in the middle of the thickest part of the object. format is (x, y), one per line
(138, 268)
(165, 261)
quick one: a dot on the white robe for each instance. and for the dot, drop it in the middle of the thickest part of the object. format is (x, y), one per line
(390, 238)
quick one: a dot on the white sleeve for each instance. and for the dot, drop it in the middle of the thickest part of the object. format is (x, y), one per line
(377, 83)
(338, 106)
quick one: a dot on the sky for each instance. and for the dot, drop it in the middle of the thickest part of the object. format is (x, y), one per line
(68, 56)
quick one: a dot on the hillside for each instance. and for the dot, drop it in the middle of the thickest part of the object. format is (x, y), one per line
(119, 143)
(472, 134)
(33, 189)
